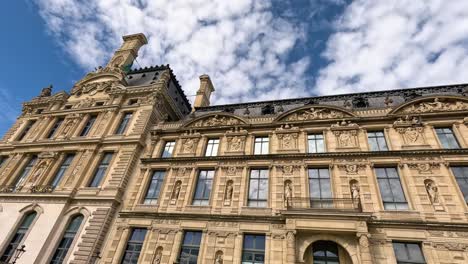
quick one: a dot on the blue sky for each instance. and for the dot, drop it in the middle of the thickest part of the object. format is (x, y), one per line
(253, 50)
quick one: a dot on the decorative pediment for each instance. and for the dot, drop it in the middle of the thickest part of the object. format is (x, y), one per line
(314, 112)
(94, 87)
(433, 104)
(216, 120)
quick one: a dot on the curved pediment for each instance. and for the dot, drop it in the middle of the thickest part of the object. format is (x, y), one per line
(433, 104)
(216, 120)
(314, 112)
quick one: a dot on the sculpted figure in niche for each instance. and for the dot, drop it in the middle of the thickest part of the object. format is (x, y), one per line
(288, 141)
(345, 139)
(176, 191)
(219, 257)
(158, 256)
(355, 192)
(40, 170)
(228, 193)
(236, 144)
(432, 191)
(288, 194)
(188, 146)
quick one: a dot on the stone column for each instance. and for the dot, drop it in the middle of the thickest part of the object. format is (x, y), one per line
(291, 247)
(364, 249)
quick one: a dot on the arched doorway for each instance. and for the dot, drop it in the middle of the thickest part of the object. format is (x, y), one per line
(327, 252)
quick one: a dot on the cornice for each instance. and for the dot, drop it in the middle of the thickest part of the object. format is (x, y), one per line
(426, 225)
(360, 154)
(206, 217)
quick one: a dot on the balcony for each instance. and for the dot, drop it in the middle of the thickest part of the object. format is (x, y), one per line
(327, 204)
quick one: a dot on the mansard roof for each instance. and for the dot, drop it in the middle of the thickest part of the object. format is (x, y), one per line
(149, 75)
(351, 102)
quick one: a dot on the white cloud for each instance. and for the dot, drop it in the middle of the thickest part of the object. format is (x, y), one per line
(240, 44)
(382, 45)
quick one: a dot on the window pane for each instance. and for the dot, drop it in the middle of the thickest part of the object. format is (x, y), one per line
(134, 246)
(55, 127)
(88, 126)
(168, 149)
(319, 184)
(377, 141)
(212, 147)
(123, 123)
(25, 171)
(258, 188)
(190, 247)
(62, 170)
(447, 138)
(154, 188)
(461, 175)
(261, 145)
(203, 188)
(408, 253)
(253, 250)
(101, 170)
(391, 190)
(65, 243)
(18, 236)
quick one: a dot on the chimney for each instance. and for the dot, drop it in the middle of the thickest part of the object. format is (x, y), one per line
(204, 92)
(123, 58)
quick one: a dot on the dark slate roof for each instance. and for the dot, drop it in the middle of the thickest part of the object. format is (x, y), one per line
(150, 75)
(369, 100)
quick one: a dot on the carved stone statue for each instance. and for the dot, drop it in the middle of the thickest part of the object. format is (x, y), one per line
(46, 92)
(68, 126)
(157, 256)
(176, 191)
(288, 141)
(355, 191)
(432, 192)
(188, 146)
(345, 139)
(236, 144)
(412, 135)
(39, 170)
(219, 257)
(288, 194)
(228, 193)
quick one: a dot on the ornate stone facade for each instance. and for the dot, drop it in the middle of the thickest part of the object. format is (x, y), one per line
(359, 173)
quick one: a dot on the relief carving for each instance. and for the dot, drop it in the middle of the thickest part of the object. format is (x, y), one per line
(437, 105)
(189, 145)
(315, 113)
(432, 191)
(236, 143)
(346, 134)
(288, 141)
(424, 165)
(157, 255)
(217, 120)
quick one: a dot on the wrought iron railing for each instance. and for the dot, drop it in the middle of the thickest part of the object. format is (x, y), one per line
(342, 204)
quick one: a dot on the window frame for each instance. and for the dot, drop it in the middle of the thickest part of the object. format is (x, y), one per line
(455, 138)
(384, 137)
(98, 165)
(163, 150)
(408, 243)
(161, 183)
(124, 123)
(253, 250)
(249, 200)
(62, 236)
(308, 140)
(323, 202)
(26, 129)
(455, 177)
(212, 147)
(262, 143)
(87, 126)
(60, 167)
(55, 127)
(128, 240)
(199, 201)
(190, 246)
(22, 176)
(400, 179)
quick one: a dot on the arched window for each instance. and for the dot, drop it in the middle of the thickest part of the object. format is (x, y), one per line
(325, 252)
(18, 236)
(67, 239)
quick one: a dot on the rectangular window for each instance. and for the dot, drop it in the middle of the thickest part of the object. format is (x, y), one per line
(168, 149)
(154, 188)
(447, 138)
(377, 141)
(134, 246)
(63, 168)
(25, 171)
(316, 143)
(391, 191)
(190, 247)
(2, 160)
(261, 145)
(408, 253)
(212, 147)
(54, 129)
(320, 188)
(461, 175)
(25, 131)
(88, 126)
(123, 123)
(258, 188)
(253, 249)
(101, 169)
(203, 189)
